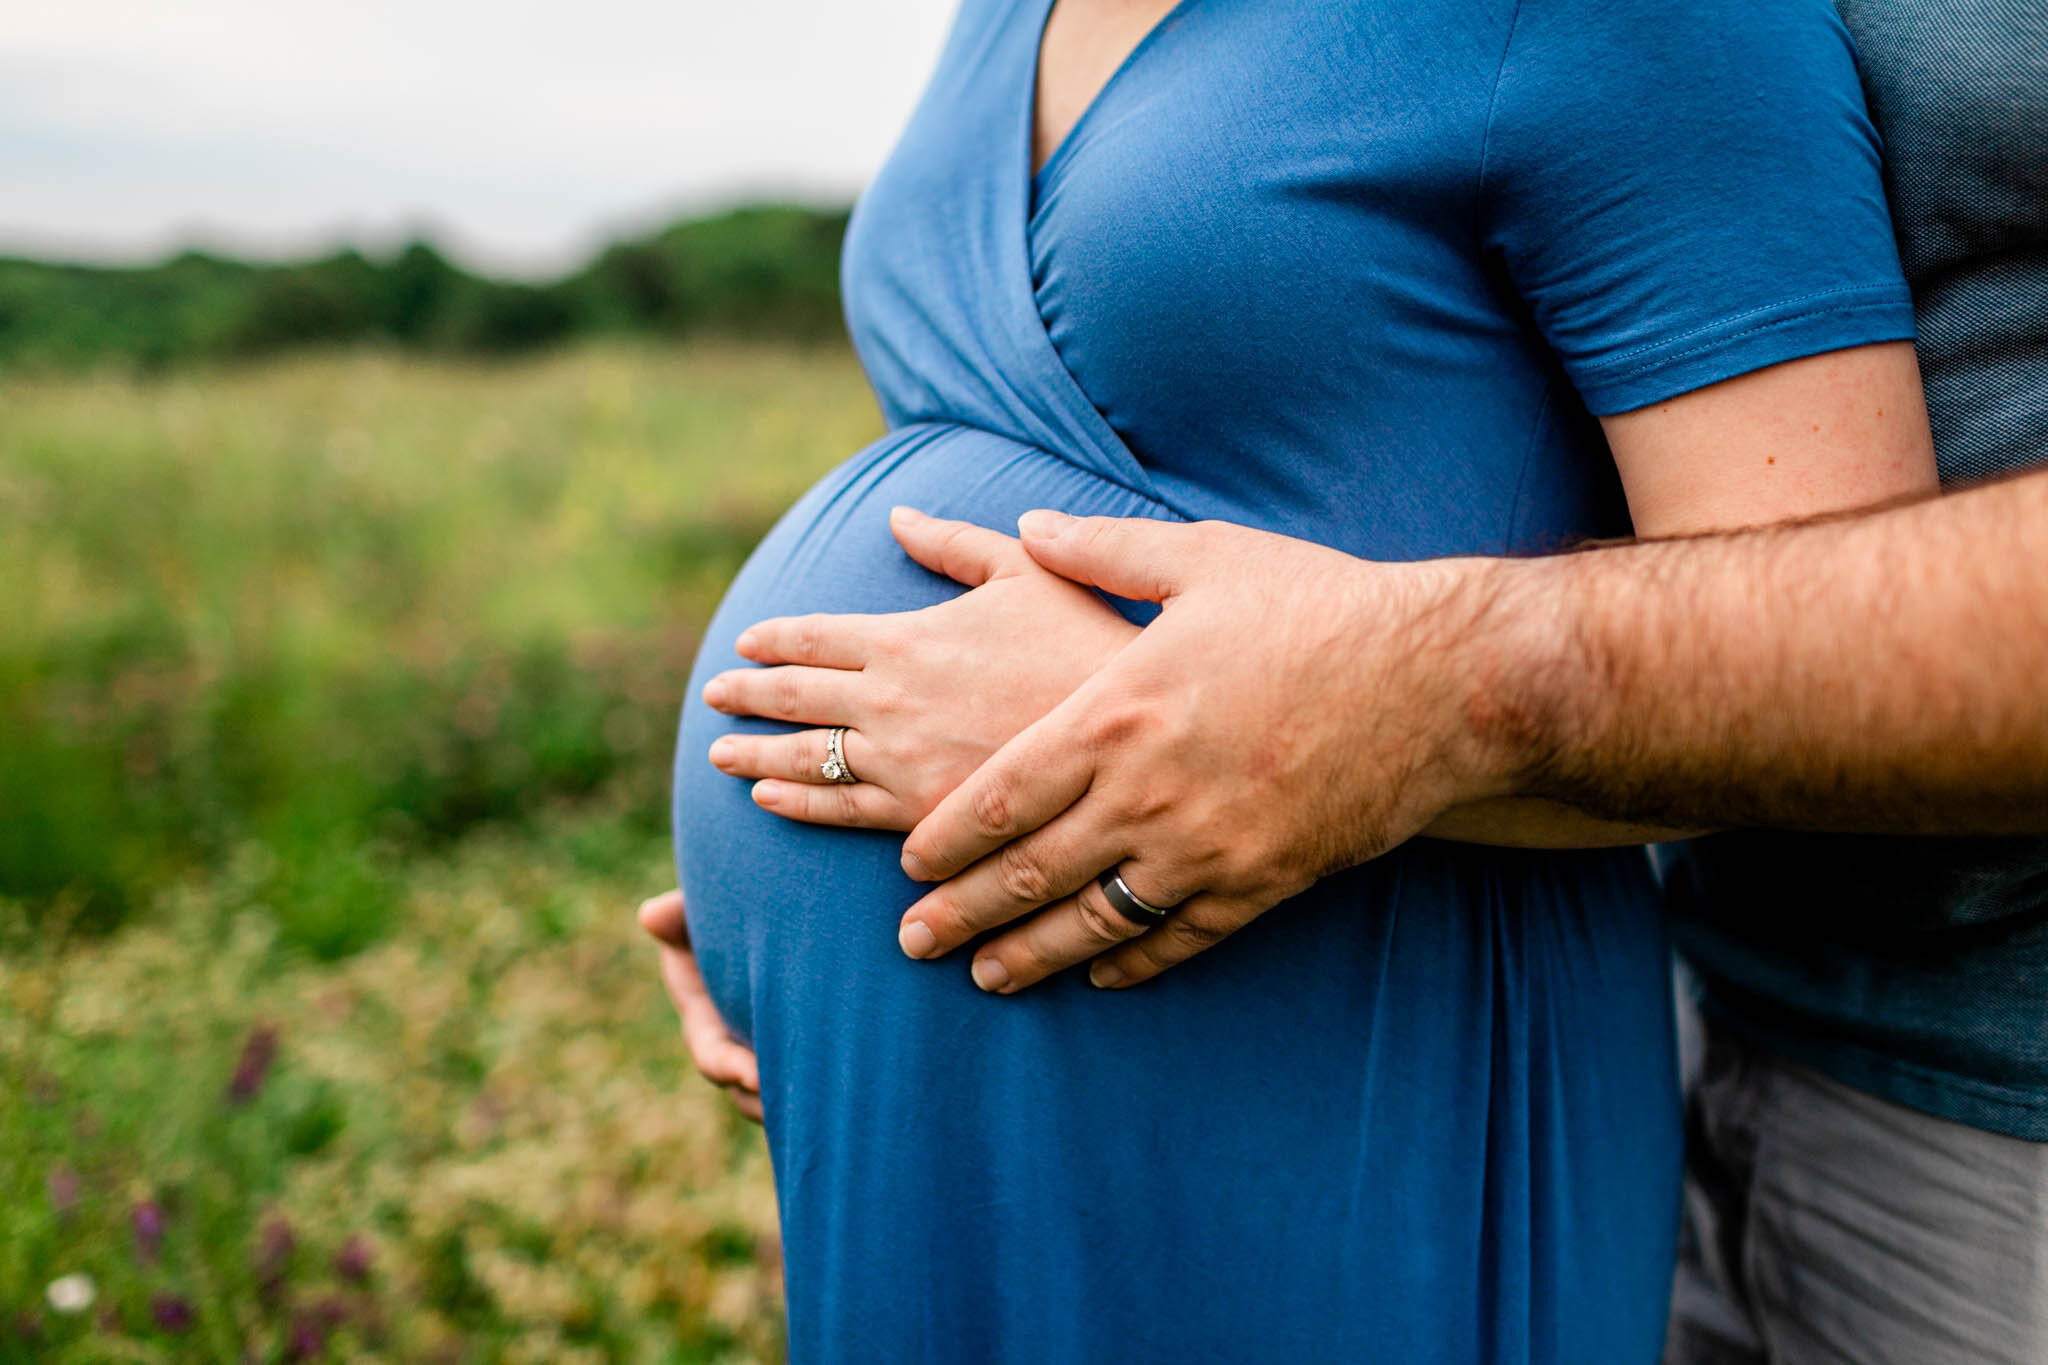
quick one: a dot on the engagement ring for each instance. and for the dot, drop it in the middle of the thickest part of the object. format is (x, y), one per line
(834, 767)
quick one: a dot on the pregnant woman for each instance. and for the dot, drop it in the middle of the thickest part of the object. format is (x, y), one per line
(1364, 273)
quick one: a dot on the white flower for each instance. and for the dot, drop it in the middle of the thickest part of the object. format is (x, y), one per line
(70, 1294)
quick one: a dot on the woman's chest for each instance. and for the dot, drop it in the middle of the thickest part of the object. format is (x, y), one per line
(1255, 250)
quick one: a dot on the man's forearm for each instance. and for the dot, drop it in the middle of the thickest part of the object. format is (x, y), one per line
(1886, 673)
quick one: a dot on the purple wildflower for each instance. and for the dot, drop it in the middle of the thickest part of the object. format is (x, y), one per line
(306, 1341)
(352, 1262)
(170, 1312)
(62, 1183)
(147, 1222)
(273, 1256)
(28, 1326)
(250, 1072)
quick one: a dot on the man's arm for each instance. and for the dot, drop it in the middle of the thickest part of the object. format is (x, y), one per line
(1881, 673)
(1832, 433)
(1886, 673)
(1283, 769)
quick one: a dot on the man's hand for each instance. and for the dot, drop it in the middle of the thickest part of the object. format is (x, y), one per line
(1187, 764)
(926, 695)
(1876, 673)
(724, 1060)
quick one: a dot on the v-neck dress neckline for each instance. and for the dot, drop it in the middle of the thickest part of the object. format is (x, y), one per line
(1062, 151)
(1013, 197)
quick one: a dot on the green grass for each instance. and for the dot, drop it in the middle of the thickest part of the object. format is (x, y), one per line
(336, 699)
(349, 607)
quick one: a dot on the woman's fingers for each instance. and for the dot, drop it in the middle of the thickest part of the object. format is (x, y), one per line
(806, 696)
(818, 640)
(1018, 878)
(1061, 936)
(854, 805)
(798, 757)
(1200, 924)
(960, 550)
(791, 779)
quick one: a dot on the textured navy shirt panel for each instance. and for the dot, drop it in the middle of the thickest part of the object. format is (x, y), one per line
(1918, 968)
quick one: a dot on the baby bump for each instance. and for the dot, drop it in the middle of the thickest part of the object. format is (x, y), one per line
(832, 552)
(1426, 1082)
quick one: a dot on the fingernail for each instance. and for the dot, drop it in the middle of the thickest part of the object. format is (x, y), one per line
(990, 974)
(916, 939)
(714, 693)
(1105, 976)
(905, 514)
(1042, 524)
(913, 867)
(745, 644)
(723, 752)
(767, 793)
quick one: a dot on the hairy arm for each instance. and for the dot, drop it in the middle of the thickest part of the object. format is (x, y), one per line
(1885, 673)
(1882, 672)
(1821, 435)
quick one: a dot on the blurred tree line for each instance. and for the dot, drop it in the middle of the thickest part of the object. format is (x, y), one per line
(754, 272)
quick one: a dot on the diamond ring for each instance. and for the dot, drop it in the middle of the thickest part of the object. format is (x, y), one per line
(835, 767)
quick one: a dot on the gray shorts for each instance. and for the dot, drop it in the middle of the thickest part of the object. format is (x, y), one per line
(1825, 1226)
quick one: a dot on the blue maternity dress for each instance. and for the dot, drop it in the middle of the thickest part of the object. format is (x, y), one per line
(1357, 271)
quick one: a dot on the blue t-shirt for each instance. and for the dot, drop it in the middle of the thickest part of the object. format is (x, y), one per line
(1917, 968)
(1357, 272)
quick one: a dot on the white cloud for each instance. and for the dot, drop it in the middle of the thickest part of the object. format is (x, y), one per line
(521, 131)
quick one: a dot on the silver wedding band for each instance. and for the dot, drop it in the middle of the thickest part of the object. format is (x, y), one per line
(835, 767)
(1128, 903)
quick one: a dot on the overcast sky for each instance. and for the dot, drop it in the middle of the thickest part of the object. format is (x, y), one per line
(516, 133)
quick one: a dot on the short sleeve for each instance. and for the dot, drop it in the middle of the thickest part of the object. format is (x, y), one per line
(1687, 190)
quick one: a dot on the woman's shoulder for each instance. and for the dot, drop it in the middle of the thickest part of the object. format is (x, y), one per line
(1674, 51)
(1684, 190)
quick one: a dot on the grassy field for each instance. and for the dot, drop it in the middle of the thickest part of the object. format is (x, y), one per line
(335, 709)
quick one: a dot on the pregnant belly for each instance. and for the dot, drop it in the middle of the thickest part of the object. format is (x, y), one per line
(1389, 1110)
(748, 877)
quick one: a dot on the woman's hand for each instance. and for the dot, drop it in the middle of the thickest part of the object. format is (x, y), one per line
(724, 1060)
(926, 695)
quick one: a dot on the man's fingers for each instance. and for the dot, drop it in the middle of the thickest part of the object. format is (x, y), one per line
(1200, 924)
(960, 550)
(851, 805)
(807, 696)
(662, 917)
(818, 640)
(748, 1102)
(722, 1058)
(1021, 786)
(718, 1056)
(1060, 936)
(1046, 866)
(1134, 557)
